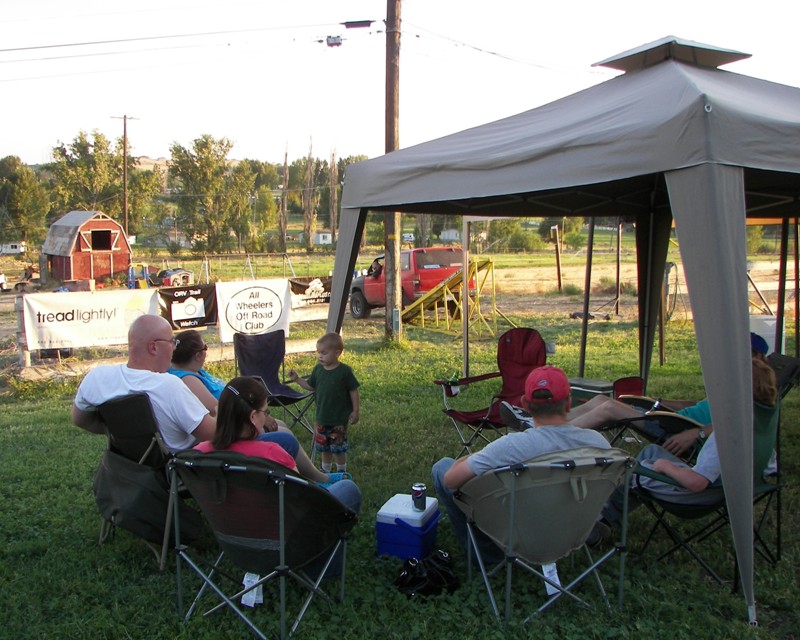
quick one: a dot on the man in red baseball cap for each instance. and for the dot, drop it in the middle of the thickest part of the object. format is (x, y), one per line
(546, 385)
(547, 399)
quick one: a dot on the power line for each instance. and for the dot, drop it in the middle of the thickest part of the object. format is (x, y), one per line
(110, 53)
(163, 37)
(502, 56)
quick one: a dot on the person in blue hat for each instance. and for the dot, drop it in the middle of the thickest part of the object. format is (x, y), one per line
(758, 346)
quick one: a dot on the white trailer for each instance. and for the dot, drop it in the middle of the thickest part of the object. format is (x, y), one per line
(13, 248)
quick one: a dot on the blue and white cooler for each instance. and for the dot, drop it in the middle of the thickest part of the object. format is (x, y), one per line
(404, 532)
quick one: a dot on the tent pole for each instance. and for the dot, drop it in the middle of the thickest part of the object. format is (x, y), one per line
(662, 319)
(645, 349)
(796, 290)
(465, 295)
(619, 266)
(782, 286)
(587, 284)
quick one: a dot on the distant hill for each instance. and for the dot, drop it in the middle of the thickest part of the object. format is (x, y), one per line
(148, 164)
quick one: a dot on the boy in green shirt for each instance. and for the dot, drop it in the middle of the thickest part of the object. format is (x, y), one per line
(338, 403)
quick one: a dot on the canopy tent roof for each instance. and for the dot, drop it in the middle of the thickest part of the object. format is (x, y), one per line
(595, 152)
(672, 137)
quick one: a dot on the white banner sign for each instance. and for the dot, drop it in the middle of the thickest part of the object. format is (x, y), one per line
(84, 319)
(254, 307)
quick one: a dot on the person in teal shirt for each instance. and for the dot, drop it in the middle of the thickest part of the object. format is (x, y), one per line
(188, 362)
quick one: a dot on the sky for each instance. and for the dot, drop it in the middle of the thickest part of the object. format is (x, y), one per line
(259, 72)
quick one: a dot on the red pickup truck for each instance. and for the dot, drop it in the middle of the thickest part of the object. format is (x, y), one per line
(420, 271)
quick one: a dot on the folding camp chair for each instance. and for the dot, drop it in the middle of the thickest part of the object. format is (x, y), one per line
(267, 522)
(262, 356)
(628, 386)
(652, 426)
(540, 511)
(133, 434)
(787, 376)
(787, 372)
(519, 351)
(715, 513)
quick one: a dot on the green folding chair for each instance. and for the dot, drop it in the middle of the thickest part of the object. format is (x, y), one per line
(713, 516)
(539, 512)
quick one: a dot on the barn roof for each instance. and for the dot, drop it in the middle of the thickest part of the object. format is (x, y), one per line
(63, 232)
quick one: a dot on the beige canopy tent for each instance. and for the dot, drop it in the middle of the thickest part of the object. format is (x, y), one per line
(672, 137)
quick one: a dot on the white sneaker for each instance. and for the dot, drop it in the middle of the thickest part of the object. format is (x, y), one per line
(771, 469)
(515, 417)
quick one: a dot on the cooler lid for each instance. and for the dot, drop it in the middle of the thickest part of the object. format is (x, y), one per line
(401, 506)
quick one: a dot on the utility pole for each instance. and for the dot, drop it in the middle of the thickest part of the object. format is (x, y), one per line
(124, 170)
(333, 199)
(391, 223)
(283, 216)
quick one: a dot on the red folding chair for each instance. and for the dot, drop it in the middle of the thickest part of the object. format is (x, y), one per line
(519, 351)
(629, 386)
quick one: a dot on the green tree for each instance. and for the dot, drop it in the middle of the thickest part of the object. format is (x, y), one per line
(24, 202)
(523, 240)
(88, 175)
(202, 207)
(575, 240)
(266, 210)
(297, 177)
(240, 196)
(565, 226)
(310, 198)
(501, 230)
(755, 235)
(266, 174)
(373, 232)
(144, 208)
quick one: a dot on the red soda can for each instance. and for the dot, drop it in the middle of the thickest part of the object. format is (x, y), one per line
(418, 491)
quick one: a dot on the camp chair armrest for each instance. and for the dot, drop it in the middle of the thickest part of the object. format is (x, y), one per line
(641, 470)
(671, 418)
(677, 405)
(469, 380)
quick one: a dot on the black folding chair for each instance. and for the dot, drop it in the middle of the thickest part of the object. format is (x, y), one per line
(787, 375)
(267, 522)
(713, 515)
(133, 434)
(262, 356)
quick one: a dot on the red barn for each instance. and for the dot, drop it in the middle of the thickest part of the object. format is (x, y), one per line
(85, 245)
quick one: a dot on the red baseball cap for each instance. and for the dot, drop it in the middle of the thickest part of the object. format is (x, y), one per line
(546, 384)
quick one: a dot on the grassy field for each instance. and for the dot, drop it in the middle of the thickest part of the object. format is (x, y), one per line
(56, 582)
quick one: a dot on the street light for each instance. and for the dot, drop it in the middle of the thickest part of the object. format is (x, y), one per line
(336, 41)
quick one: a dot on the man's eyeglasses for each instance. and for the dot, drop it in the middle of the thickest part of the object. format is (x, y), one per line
(174, 341)
(203, 348)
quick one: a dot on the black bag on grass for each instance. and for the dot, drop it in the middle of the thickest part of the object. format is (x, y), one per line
(427, 577)
(135, 497)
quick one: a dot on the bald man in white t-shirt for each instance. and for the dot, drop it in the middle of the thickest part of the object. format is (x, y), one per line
(182, 419)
